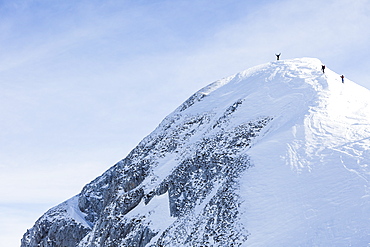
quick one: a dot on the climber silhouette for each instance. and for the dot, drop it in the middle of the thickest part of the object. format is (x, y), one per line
(342, 76)
(323, 68)
(277, 56)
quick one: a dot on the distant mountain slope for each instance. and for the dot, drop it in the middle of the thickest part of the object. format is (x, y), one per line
(277, 155)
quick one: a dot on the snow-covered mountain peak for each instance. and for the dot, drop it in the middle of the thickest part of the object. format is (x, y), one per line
(280, 72)
(269, 87)
(307, 105)
(277, 155)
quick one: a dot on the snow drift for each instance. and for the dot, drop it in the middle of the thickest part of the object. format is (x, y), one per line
(277, 155)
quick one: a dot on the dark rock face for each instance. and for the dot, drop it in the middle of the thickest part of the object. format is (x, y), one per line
(56, 228)
(205, 154)
(215, 226)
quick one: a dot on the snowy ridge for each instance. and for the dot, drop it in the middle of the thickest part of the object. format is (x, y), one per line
(277, 155)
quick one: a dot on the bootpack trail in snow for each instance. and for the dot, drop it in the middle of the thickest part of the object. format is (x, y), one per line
(277, 155)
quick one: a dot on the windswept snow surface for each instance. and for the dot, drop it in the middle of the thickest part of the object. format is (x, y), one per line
(310, 182)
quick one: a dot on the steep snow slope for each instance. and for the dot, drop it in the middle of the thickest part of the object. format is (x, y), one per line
(310, 182)
(276, 155)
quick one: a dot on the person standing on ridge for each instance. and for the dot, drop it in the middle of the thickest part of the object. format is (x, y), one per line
(323, 68)
(342, 76)
(277, 56)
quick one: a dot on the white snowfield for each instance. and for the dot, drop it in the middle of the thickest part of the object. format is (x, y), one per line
(310, 182)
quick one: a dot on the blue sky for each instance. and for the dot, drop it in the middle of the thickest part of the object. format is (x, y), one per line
(82, 82)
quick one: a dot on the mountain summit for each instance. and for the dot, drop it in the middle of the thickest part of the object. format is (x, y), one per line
(277, 155)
